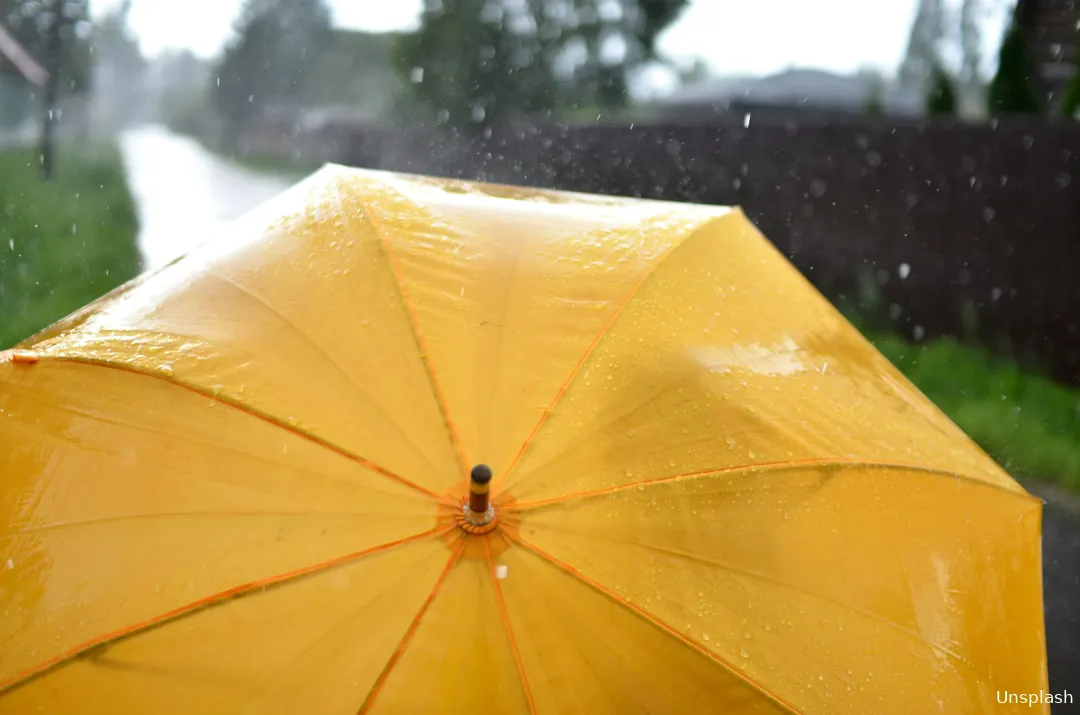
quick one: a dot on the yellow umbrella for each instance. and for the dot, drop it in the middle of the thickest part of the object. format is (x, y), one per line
(255, 481)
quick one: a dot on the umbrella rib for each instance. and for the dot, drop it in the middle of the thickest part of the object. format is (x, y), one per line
(561, 392)
(101, 642)
(689, 642)
(760, 576)
(259, 300)
(505, 614)
(763, 467)
(395, 657)
(183, 515)
(418, 334)
(252, 411)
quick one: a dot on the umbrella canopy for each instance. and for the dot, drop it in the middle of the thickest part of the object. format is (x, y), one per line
(405, 445)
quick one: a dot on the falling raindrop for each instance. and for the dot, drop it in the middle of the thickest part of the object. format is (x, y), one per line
(904, 270)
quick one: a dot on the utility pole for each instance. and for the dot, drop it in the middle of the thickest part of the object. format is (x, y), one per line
(53, 54)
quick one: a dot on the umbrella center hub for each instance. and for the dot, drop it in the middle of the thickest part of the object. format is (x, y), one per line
(477, 515)
(476, 523)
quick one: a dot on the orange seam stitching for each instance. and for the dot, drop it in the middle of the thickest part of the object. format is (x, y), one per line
(247, 409)
(425, 350)
(202, 604)
(404, 644)
(764, 466)
(657, 623)
(505, 613)
(588, 353)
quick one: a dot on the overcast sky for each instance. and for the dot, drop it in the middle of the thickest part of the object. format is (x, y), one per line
(733, 36)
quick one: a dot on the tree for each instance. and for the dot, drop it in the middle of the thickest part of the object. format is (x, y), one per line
(53, 32)
(29, 22)
(267, 64)
(924, 46)
(941, 100)
(1012, 90)
(1070, 104)
(119, 69)
(971, 13)
(478, 62)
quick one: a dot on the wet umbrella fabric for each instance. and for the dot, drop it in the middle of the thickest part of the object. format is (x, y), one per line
(239, 484)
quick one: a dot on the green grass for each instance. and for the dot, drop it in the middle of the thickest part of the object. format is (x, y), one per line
(63, 243)
(1028, 423)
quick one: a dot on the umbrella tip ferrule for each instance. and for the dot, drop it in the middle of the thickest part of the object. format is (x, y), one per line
(479, 511)
(20, 357)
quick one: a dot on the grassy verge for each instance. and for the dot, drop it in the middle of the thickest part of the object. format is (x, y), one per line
(1028, 423)
(63, 243)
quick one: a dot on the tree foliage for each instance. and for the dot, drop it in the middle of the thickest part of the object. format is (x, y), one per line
(1070, 104)
(120, 68)
(941, 100)
(1012, 91)
(928, 33)
(267, 64)
(29, 22)
(477, 62)
(971, 14)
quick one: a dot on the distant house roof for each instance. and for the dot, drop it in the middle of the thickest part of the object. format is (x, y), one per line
(796, 88)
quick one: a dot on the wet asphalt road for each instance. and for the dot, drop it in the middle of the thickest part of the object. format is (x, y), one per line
(182, 190)
(1061, 594)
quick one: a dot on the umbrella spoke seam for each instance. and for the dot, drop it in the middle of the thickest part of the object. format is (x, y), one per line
(764, 467)
(623, 303)
(418, 334)
(99, 644)
(760, 576)
(322, 351)
(655, 622)
(249, 410)
(505, 615)
(403, 645)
